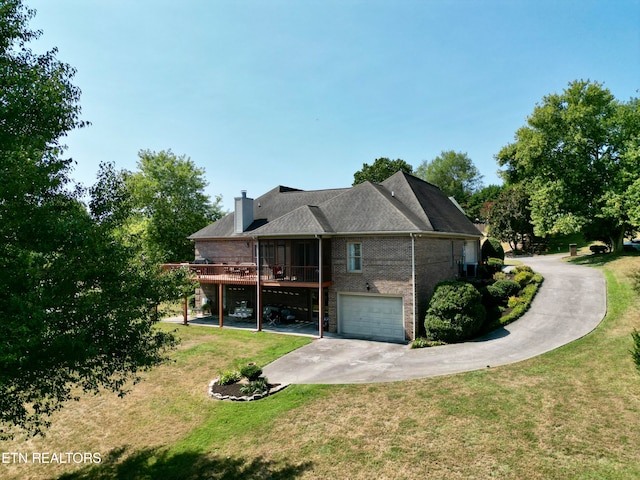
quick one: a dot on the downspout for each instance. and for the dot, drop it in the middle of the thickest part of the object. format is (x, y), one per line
(413, 281)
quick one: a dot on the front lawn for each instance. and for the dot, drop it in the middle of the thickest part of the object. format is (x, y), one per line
(571, 413)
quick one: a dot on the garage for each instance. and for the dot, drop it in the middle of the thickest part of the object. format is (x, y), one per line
(371, 316)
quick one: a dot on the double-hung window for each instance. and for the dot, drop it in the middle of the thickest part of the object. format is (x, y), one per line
(354, 257)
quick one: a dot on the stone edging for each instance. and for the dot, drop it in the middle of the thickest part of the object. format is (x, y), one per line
(245, 398)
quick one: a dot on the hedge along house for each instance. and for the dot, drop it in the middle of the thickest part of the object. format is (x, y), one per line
(360, 261)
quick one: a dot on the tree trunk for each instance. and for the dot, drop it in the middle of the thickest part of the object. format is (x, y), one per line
(617, 241)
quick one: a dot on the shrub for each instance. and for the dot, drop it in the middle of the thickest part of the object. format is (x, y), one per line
(635, 352)
(229, 377)
(492, 248)
(258, 386)
(523, 278)
(422, 342)
(522, 268)
(251, 372)
(495, 264)
(500, 276)
(507, 287)
(492, 296)
(455, 312)
(515, 301)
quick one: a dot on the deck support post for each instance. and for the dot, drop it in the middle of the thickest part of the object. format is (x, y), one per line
(220, 306)
(185, 311)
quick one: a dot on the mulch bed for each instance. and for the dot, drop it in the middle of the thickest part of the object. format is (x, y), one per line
(232, 392)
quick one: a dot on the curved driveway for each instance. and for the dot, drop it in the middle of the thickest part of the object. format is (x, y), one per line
(570, 304)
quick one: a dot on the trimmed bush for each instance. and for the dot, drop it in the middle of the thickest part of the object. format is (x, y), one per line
(455, 312)
(492, 248)
(523, 278)
(422, 342)
(515, 301)
(492, 296)
(508, 288)
(522, 268)
(251, 372)
(495, 264)
(500, 276)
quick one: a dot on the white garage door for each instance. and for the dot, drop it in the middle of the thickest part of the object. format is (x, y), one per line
(370, 316)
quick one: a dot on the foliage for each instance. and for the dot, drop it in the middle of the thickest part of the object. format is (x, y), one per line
(523, 278)
(579, 157)
(422, 342)
(455, 312)
(380, 170)
(522, 268)
(251, 371)
(169, 204)
(496, 264)
(500, 276)
(454, 173)
(479, 204)
(507, 287)
(229, 377)
(257, 386)
(491, 248)
(635, 352)
(509, 218)
(77, 306)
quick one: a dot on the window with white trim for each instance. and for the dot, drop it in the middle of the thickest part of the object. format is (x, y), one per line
(354, 257)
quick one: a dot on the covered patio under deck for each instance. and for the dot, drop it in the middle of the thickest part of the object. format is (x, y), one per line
(300, 327)
(239, 296)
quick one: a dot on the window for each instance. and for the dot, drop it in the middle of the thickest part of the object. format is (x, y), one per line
(354, 257)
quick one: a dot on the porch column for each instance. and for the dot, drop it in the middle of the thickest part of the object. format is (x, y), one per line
(220, 306)
(320, 292)
(258, 289)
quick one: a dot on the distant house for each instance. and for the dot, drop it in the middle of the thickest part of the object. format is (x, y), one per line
(364, 259)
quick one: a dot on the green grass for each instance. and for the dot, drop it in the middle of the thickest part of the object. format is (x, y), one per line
(572, 413)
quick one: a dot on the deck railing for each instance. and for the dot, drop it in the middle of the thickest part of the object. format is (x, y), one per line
(246, 273)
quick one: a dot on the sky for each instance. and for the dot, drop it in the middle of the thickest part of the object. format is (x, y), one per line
(302, 93)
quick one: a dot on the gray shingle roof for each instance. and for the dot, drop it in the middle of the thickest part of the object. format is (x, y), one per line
(402, 203)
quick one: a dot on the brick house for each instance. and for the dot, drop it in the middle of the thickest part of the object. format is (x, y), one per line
(364, 259)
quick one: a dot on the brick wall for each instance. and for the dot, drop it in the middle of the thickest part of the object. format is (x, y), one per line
(386, 267)
(225, 251)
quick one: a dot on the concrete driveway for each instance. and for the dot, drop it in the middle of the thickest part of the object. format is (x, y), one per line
(570, 304)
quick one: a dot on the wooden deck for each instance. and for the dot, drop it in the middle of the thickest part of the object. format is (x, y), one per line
(247, 274)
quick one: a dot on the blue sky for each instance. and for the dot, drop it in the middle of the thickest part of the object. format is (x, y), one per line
(303, 92)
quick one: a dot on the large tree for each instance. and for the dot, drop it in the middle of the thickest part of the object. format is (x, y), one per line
(454, 173)
(479, 204)
(76, 306)
(578, 157)
(381, 169)
(510, 217)
(169, 204)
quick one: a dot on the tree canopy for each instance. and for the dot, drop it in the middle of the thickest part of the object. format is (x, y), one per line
(454, 173)
(579, 157)
(381, 169)
(510, 217)
(169, 204)
(76, 305)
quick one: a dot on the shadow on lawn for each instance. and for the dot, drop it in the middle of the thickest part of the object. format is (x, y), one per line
(155, 463)
(600, 259)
